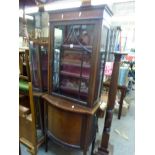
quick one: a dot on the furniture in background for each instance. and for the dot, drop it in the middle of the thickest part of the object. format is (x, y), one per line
(76, 60)
(24, 67)
(38, 67)
(104, 148)
(38, 63)
(28, 134)
(123, 90)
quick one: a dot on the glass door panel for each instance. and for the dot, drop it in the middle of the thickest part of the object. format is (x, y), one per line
(72, 56)
(34, 65)
(44, 65)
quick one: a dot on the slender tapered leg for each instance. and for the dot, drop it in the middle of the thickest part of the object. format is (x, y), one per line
(45, 126)
(40, 114)
(32, 151)
(93, 146)
(84, 152)
(19, 149)
(46, 144)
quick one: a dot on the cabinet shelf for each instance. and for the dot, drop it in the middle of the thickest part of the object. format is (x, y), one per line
(74, 91)
(76, 47)
(76, 75)
(74, 63)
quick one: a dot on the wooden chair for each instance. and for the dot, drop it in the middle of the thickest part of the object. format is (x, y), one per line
(28, 134)
(123, 90)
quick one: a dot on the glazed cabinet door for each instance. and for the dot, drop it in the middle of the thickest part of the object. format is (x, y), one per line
(39, 65)
(73, 54)
(102, 60)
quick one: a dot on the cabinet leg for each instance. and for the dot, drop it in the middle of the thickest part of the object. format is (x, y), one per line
(46, 144)
(45, 126)
(40, 115)
(19, 149)
(32, 151)
(84, 152)
(93, 146)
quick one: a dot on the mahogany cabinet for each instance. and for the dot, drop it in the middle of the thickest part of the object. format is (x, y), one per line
(76, 59)
(39, 64)
(39, 69)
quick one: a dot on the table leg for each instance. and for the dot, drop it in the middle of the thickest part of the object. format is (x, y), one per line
(123, 92)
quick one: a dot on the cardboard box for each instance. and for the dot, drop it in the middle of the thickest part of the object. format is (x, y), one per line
(102, 108)
(125, 108)
(104, 97)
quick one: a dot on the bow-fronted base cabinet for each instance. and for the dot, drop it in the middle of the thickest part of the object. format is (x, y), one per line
(70, 124)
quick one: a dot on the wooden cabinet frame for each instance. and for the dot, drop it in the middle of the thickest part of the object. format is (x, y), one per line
(62, 114)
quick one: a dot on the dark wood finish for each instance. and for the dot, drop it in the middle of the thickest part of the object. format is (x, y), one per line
(21, 57)
(45, 125)
(39, 75)
(27, 64)
(19, 149)
(123, 90)
(39, 65)
(70, 106)
(95, 57)
(24, 101)
(70, 121)
(103, 150)
(39, 110)
(93, 146)
(119, 87)
(85, 8)
(71, 129)
(65, 16)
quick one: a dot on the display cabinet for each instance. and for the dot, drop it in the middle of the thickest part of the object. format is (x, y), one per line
(76, 58)
(39, 63)
(39, 66)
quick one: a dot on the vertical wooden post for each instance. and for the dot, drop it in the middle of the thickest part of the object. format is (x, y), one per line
(103, 150)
